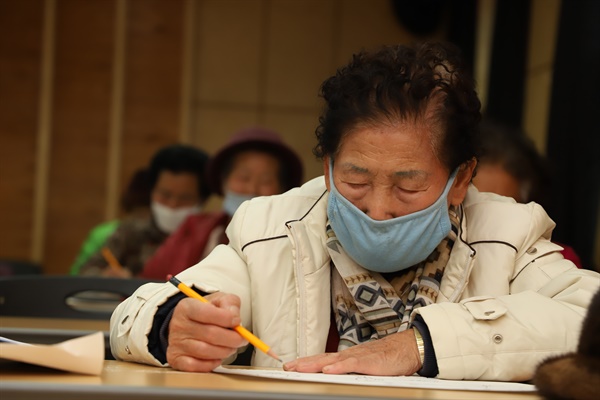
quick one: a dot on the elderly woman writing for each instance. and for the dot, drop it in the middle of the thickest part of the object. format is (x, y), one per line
(390, 264)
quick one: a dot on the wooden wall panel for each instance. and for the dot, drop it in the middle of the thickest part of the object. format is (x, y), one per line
(217, 124)
(78, 153)
(299, 55)
(298, 129)
(153, 76)
(367, 26)
(543, 28)
(228, 51)
(20, 48)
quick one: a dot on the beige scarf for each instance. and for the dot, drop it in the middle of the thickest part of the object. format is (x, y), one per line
(369, 305)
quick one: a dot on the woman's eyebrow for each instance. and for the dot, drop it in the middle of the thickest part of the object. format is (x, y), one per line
(349, 167)
(412, 174)
(408, 174)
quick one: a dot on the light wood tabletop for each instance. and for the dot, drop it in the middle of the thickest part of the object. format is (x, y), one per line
(136, 381)
(54, 323)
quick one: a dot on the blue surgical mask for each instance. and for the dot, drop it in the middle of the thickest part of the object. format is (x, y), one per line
(391, 245)
(233, 200)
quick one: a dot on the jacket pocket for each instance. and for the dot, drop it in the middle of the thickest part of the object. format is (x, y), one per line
(484, 308)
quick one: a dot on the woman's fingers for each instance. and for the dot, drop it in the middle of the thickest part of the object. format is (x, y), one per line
(393, 355)
(191, 364)
(201, 334)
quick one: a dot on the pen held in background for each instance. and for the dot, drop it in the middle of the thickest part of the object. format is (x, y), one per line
(245, 333)
(111, 260)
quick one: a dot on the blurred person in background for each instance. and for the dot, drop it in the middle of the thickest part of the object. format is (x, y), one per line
(135, 203)
(254, 162)
(510, 165)
(178, 190)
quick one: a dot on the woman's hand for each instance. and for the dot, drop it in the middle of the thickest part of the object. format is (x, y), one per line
(200, 334)
(394, 355)
(116, 273)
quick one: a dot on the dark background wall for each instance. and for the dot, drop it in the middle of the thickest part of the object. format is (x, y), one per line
(573, 138)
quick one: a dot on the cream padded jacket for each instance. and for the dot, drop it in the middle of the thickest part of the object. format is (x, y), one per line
(507, 300)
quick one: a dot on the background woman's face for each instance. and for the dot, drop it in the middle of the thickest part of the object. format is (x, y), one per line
(176, 190)
(254, 173)
(388, 171)
(492, 177)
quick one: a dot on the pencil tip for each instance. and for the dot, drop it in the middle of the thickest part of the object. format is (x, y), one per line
(275, 356)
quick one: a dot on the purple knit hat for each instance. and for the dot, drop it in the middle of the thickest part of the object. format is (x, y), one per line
(260, 139)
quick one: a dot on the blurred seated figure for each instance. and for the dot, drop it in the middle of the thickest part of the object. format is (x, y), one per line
(511, 166)
(178, 190)
(255, 162)
(135, 203)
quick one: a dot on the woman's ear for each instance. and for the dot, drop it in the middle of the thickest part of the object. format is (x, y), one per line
(461, 183)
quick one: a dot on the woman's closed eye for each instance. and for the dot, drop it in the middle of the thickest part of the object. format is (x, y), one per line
(357, 185)
(409, 189)
(408, 193)
(355, 188)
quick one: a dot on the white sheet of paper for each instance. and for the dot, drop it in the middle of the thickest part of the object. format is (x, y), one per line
(391, 381)
(83, 355)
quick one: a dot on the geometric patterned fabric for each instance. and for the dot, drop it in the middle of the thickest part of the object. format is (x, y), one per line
(369, 305)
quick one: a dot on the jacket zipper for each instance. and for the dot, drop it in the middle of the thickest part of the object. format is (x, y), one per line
(301, 342)
(463, 282)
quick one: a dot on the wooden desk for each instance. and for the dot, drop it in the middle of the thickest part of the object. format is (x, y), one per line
(54, 323)
(121, 380)
(52, 330)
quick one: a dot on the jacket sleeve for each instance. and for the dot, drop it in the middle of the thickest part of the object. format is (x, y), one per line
(132, 320)
(505, 337)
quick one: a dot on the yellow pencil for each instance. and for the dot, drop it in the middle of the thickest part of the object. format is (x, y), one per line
(111, 260)
(245, 333)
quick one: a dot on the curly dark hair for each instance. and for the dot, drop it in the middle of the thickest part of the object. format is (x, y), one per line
(178, 158)
(398, 83)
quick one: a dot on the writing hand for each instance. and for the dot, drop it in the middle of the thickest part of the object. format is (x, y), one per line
(201, 335)
(116, 273)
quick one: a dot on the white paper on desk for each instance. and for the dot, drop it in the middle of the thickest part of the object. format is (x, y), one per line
(84, 354)
(390, 381)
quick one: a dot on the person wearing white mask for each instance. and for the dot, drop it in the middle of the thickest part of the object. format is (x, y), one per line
(254, 162)
(179, 189)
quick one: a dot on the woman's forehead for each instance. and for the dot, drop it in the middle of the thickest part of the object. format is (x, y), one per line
(394, 139)
(399, 147)
(249, 156)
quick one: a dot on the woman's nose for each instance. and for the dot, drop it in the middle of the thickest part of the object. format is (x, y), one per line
(379, 207)
(248, 189)
(379, 215)
(256, 189)
(172, 202)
